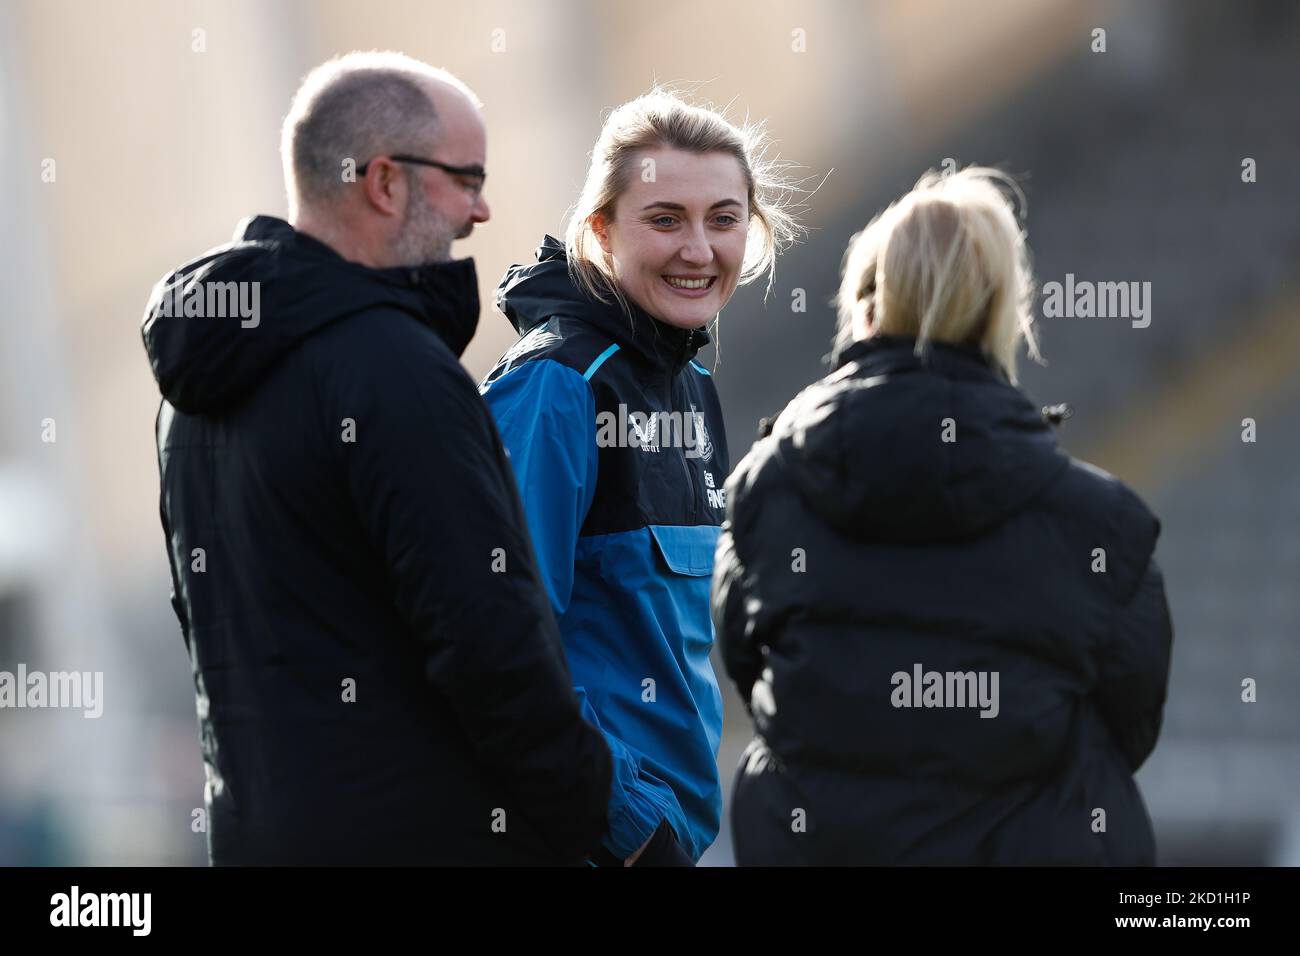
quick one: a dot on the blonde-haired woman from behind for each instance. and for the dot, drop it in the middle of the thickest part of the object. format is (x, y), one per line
(973, 658)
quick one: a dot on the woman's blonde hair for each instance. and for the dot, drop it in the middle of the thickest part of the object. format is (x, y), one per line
(948, 262)
(663, 119)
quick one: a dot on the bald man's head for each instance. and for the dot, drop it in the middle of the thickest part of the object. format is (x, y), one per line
(361, 105)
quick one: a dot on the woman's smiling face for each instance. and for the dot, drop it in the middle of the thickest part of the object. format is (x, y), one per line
(677, 236)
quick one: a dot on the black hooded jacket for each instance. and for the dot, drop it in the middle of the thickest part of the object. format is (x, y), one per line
(379, 677)
(911, 516)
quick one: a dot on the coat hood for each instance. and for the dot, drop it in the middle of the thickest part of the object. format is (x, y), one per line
(531, 294)
(217, 325)
(866, 446)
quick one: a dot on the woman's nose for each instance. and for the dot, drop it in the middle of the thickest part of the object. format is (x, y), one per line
(696, 250)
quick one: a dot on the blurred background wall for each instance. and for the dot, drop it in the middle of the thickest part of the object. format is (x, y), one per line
(134, 134)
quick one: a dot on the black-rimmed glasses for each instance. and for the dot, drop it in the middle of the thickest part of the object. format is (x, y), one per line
(476, 174)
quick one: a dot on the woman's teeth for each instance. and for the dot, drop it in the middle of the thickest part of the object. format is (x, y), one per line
(688, 283)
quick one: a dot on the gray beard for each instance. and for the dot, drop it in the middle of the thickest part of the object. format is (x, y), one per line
(425, 237)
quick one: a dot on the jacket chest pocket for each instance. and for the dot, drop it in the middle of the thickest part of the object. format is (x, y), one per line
(685, 555)
(686, 549)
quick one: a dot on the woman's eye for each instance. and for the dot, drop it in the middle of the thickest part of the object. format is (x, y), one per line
(727, 220)
(663, 220)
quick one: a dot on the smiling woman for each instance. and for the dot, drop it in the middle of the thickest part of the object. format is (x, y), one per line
(678, 209)
(677, 194)
(675, 238)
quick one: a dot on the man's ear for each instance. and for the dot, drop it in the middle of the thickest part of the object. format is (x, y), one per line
(600, 229)
(385, 186)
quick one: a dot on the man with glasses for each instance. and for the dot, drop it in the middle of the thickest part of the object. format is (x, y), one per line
(378, 675)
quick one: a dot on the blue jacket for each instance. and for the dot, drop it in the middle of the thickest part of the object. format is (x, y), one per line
(617, 443)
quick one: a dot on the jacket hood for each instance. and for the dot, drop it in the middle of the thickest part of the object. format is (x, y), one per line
(218, 324)
(865, 446)
(531, 294)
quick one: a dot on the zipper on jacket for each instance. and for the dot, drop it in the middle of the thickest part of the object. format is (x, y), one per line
(674, 370)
